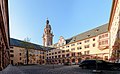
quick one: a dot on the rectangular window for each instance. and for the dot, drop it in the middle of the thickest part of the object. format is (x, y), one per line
(86, 41)
(49, 53)
(52, 53)
(58, 51)
(55, 52)
(102, 42)
(11, 47)
(63, 51)
(86, 46)
(11, 51)
(106, 35)
(63, 55)
(73, 54)
(87, 52)
(103, 36)
(72, 49)
(20, 54)
(99, 43)
(79, 43)
(94, 45)
(20, 58)
(106, 41)
(106, 57)
(52, 57)
(78, 48)
(67, 55)
(94, 39)
(84, 52)
(55, 56)
(67, 46)
(67, 50)
(72, 44)
(100, 37)
(59, 56)
(40, 56)
(79, 53)
(11, 55)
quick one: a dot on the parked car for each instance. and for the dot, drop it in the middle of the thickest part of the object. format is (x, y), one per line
(78, 63)
(99, 64)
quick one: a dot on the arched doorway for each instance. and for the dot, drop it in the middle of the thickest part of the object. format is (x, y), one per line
(68, 60)
(73, 60)
(59, 61)
(63, 61)
(79, 59)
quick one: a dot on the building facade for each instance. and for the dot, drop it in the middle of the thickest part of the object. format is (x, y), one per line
(93, 44)
(100, 43)
(48, 35)
(114, 29)
(4, 34)
(36, 54)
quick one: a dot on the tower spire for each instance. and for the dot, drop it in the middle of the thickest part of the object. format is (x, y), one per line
(48, 35)
(47, 22)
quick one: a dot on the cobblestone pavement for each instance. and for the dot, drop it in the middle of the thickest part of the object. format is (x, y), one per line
(50, 69)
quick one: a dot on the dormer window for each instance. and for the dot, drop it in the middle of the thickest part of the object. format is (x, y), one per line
(88, 35)
(74, 38)
(97, 30)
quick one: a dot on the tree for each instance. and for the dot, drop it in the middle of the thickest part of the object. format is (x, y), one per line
(26, 40)
(27, 45)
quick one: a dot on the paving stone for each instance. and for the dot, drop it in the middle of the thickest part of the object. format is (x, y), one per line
(48, 69)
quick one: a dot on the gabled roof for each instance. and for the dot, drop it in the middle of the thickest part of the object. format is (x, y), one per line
(91, 33)
(19, 43)
(88, 34)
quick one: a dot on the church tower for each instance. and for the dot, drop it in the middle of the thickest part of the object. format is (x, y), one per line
(47, 35)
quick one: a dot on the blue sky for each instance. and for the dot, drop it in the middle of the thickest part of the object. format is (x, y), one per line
(67, 17)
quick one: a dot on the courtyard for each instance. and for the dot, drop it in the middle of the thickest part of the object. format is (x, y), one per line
(50, 69)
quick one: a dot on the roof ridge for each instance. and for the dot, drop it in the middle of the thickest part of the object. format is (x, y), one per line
(24, 41)
(88, 30)
(17, 42)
